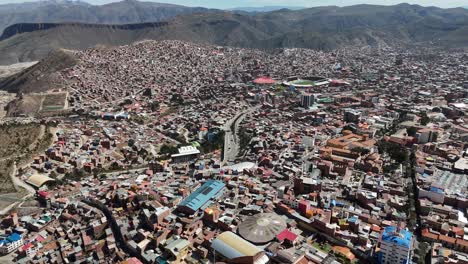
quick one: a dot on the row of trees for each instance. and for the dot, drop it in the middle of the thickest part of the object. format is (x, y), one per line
(395, 151)
(215, 142)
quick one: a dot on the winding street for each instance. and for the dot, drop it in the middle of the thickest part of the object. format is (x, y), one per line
(20, 183)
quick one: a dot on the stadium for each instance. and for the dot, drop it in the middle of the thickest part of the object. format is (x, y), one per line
(306, 82)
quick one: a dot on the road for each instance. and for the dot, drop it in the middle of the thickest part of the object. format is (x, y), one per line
(18, 183)
(121, 242)
(231, 141)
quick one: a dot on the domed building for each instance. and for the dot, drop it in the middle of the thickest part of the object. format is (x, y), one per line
(261, 228)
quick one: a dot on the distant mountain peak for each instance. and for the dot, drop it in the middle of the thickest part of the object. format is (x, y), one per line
(261, 9)
(64, 2)
(32, 35)
(62, 11)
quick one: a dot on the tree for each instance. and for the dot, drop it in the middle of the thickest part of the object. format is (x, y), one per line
(361, 150)
(181, 138)
(168, 150)
(395, 151)
(154, 106)
(214, 143)
(244, 138)
(53, 174)
(96, 171)
(177, 99)
(75, 175)
(425, 119)
(126, 102)
(411, 131)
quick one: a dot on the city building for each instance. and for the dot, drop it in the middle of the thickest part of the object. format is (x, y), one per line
(396, 246)
(178, 249)
(233, 249)
(11, 243)
(185, 154)
(202, 197)
(307, 100)
(351, 116)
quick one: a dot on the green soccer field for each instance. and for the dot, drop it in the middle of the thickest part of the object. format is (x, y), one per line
(303, 82)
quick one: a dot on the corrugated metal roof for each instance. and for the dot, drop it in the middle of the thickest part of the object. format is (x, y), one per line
(37, 180)
(232, 246)
(202, 195)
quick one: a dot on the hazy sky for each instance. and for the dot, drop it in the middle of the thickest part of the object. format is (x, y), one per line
(306, 3)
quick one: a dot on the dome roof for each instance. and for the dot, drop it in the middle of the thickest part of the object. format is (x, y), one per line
(264, 80)
(262, 228)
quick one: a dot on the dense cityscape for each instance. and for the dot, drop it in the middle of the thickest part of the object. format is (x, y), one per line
(174, 152)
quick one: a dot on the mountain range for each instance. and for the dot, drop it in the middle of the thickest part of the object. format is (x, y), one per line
(58, 11)
(324, 28)
(265, 8)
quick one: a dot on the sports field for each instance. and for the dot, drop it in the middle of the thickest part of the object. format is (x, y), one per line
(302, 82)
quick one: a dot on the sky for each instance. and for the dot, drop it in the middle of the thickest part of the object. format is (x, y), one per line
(224, 4)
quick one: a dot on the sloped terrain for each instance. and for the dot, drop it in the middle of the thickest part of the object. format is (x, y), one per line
(128, 11)
(42, 76)
(316, 28)
(16, 141)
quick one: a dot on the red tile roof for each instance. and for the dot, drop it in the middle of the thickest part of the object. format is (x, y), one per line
(286, 235)
(132, 261)
(427, 234)
(376, 228)
(457, 230)
(447, 239)
(462, 242)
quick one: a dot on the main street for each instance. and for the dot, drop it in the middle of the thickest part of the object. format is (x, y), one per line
(231, 141)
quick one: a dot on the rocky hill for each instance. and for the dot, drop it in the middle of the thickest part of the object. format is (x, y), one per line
(317, 28)
(265, 8)
(42, 76)
(57, 11)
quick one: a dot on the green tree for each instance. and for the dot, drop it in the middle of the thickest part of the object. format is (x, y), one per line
(177, 99)
(361, 150)
(244, 138)
(216, 142)
(411, 131)
(395, 151)
(154, 106)
(168, 150)
(425, 119)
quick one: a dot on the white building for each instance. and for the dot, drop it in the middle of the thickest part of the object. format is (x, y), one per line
(10, 243)
(185, 154)
(396, 246)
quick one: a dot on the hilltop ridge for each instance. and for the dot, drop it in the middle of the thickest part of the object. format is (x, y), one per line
(324, 28)
(65, 11)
